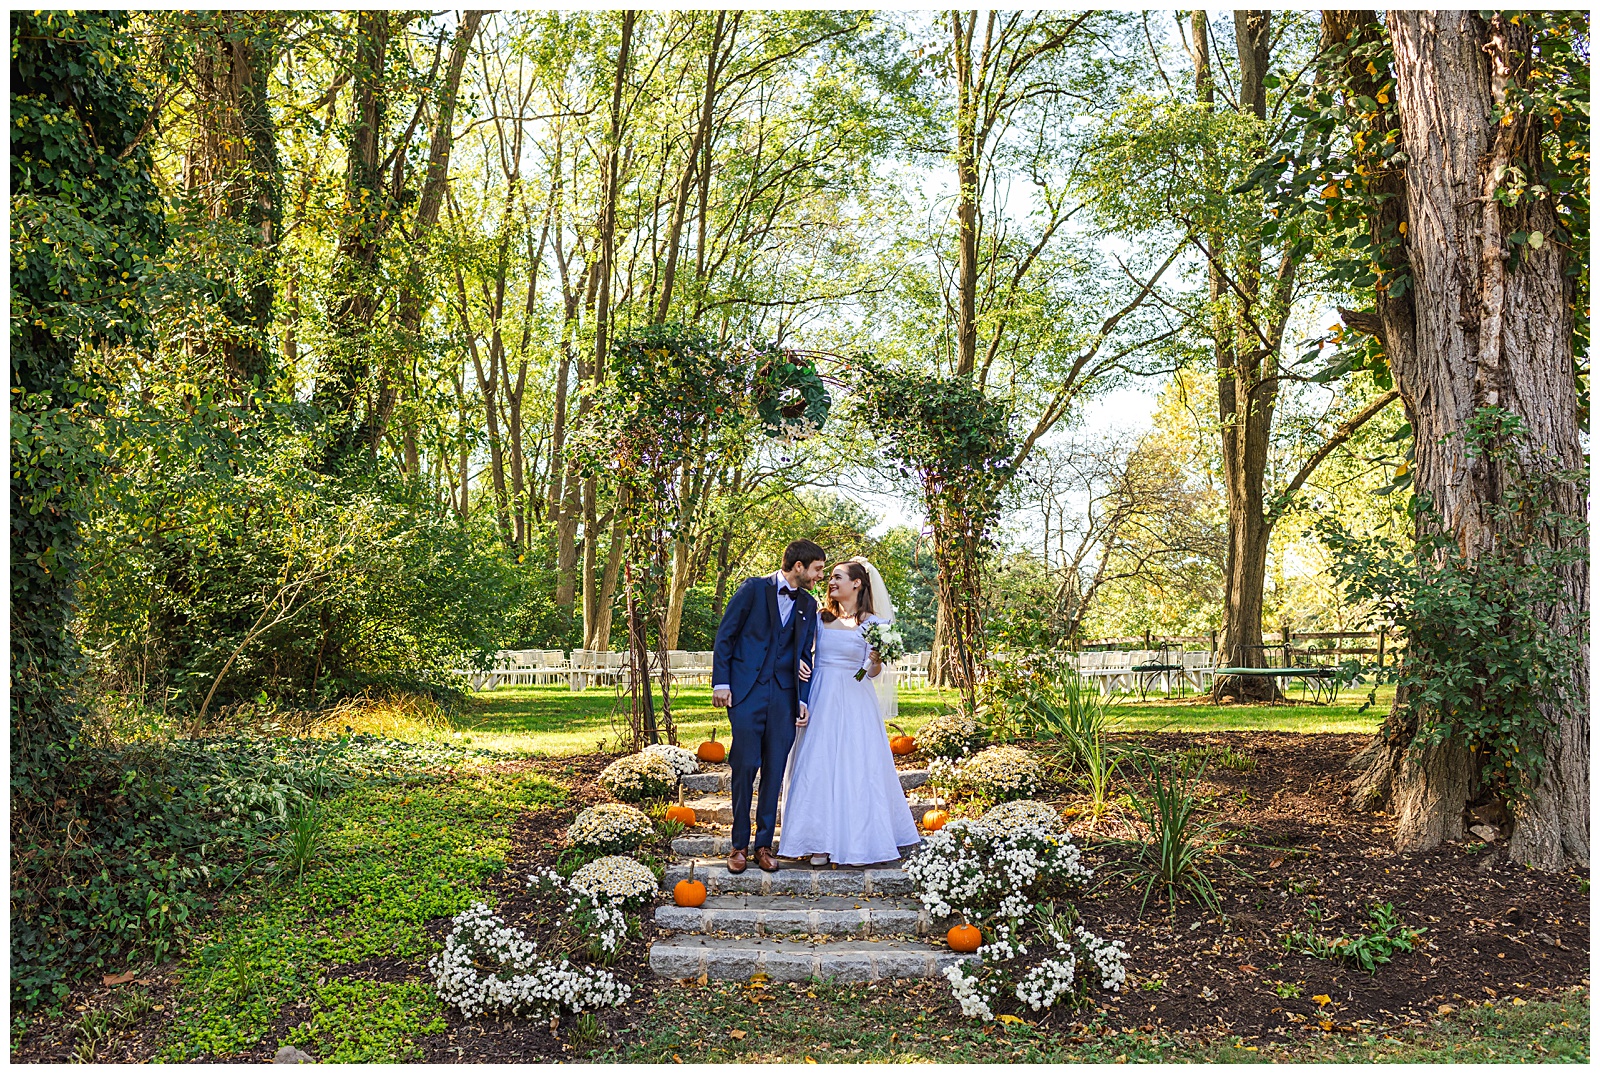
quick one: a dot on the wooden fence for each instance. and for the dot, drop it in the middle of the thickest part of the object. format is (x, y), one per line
(1296, 647)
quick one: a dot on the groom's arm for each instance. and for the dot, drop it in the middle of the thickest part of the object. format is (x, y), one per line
(732, 625)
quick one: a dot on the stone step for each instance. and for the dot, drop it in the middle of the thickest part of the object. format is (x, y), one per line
(793, 878)
(715, 779)
(739, 958)
(782, 915)
(718, 844)
(718, 808)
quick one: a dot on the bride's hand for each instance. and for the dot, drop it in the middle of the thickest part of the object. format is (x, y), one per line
(874, 664)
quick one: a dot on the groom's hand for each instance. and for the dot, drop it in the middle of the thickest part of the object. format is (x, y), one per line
(804, 717)
(722, 697)
(804, 671)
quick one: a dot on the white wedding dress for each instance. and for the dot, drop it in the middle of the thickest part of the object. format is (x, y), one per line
(844, 797)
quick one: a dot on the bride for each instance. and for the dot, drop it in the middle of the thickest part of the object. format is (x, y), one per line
(844, 799)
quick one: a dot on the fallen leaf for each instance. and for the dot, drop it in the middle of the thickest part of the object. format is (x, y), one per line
(121, 978)
(737, 1034)
(702, 979)
(760, 980)
(1323, 1001)
(1274, 863)
(1247, 968)
(1010, 1020)
(1327, 1027)
(1518, 1001)
(1446, 1008)
(810, 1060)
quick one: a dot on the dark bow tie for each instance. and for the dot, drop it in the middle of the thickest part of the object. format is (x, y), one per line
(785, 591)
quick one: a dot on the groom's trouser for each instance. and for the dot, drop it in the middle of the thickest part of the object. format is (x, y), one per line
(763, 732)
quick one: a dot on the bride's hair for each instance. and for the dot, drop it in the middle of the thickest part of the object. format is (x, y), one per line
(830, 607)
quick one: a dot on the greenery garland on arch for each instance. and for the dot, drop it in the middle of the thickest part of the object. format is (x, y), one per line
(791, 400)
(956, 443)
(678, 397)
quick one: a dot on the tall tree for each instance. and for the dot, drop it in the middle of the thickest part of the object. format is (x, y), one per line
(1489, 238)
(233, 168)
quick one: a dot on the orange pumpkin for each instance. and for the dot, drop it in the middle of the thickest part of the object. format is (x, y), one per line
(901, 744)
(681, 813)
(690, 892)
(964, 938)
(712, 751)
(934, 819)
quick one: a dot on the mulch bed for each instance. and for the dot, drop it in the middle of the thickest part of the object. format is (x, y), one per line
(1495, 931)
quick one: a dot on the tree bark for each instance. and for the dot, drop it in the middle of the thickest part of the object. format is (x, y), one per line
(1477, 334)
(364, 221)
(234, 157)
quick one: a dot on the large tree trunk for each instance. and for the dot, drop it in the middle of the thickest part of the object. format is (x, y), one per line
(234, 160)
(1476, 334)
(366, 217)
(1247, 387)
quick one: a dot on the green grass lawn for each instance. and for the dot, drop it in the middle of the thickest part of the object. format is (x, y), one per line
(557, 720)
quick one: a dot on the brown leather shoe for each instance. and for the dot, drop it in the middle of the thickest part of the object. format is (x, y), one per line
(765, 859)
(736, 861)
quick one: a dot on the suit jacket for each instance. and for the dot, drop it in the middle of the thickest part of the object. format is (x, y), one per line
(750, 625)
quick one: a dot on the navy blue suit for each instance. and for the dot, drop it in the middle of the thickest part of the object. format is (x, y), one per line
(756, 655)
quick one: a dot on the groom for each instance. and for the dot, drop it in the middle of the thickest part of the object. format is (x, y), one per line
(762, 649)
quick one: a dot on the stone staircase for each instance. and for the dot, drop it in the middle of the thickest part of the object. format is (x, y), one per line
(851, 923)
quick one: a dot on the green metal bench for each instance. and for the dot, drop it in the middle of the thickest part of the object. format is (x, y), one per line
(1322, 682)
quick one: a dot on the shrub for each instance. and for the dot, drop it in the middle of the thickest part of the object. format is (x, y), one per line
(683, 761)
(488, 966)
(1023, 813)
(639, 776)
(610, 828)
(620, 879)
(996, 880)
(997, 774)
(951, 734)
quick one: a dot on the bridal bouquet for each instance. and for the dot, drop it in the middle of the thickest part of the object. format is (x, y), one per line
(886, 640)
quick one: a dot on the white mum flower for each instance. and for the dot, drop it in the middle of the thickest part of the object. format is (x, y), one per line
(639, 776)
(683, 761)
(619, 878)
(610, 826)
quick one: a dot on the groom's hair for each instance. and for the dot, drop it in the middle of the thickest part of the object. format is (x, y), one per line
(802, 552)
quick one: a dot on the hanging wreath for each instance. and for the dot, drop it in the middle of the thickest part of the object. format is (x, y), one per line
(790, 398)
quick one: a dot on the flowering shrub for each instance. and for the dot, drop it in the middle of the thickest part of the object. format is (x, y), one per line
(488, 966)
(1023, 813)
(598, 917)
(610, 828)
(951, 733)
(620, 879)
(639, 776)
(999, 773)
(683, 762)
(994, 876)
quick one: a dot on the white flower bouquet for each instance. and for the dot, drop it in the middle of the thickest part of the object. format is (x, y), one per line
(610, 828)
(683, 761)
(885, 640)
(639, 776)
